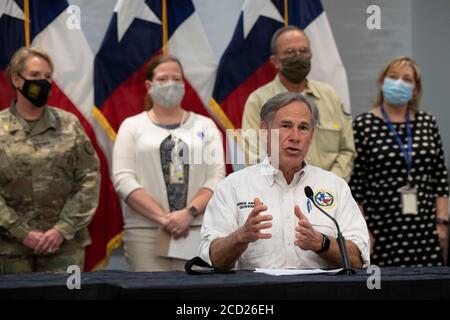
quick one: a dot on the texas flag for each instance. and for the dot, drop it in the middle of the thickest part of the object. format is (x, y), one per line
(134, 36)
(245, 65)
(50, 29)
(12, 36)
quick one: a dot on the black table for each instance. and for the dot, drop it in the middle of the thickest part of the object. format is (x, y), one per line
(396, 283)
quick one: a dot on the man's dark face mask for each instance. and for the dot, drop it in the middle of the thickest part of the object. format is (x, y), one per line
(36, 91)
(296, 68)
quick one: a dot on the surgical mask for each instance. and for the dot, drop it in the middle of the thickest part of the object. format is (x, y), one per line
(296, 68)
(397, 93)
(36, 91)
(167, 94)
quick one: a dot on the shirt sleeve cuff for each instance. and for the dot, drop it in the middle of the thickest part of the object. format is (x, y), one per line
(65, 229)
(210, 184)
(20, 231)
(206, 244)
(125, 189)
(364, 250)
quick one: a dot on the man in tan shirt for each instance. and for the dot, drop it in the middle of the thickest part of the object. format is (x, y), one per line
(333, 146)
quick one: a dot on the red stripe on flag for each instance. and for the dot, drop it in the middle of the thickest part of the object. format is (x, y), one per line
(7, 94)
(127, 100)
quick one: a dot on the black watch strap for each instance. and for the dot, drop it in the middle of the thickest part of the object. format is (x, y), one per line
(193, 211)
(442, 221)
(325, 244)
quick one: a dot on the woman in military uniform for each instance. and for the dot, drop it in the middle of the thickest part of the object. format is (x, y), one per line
(49, 175)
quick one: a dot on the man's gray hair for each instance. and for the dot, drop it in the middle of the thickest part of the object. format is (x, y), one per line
(279, 32)
(281, 100)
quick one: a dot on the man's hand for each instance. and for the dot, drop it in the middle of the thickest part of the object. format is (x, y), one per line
(32, 239)
(178, 223)
(307, 237)
(251, 230)
(49, 242)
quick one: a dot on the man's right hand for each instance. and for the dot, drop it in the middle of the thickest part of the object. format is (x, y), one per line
(251, 230)
(32, 239)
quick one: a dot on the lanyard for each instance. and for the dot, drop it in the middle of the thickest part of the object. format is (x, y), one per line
(407, 154)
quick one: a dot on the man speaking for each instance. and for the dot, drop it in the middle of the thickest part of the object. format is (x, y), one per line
(260, 217)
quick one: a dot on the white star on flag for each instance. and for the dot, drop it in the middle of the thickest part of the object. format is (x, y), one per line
(10, 8)
(128, 10)
(253, 9)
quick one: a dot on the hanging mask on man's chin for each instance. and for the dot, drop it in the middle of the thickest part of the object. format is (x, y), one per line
(36, 91)
(296, 68)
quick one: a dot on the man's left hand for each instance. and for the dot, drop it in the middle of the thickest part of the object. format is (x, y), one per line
(49, 243)
(307, 237)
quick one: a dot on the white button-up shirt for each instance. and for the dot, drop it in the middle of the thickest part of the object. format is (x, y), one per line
(232, 202)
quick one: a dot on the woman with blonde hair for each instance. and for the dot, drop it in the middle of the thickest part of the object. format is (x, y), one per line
(49, 175)
(400, 179)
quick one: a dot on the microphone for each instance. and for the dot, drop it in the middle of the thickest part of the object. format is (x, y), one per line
(340, 239)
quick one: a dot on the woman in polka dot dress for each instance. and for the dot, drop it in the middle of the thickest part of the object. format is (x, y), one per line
(400, 180)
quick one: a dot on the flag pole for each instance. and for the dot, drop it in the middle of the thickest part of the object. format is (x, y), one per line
(286, 13)
(165, 31)
(26, 22)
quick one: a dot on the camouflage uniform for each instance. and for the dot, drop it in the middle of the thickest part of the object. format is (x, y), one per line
(49, 177)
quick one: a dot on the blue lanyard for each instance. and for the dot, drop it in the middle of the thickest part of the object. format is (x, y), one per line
(407, 154)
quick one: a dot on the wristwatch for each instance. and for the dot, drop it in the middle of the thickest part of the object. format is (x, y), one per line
(325, 244)
(193, 211)
(442, 221)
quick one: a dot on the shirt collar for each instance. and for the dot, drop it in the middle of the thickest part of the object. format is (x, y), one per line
(310, 88)
(46, 121)
(272, 174)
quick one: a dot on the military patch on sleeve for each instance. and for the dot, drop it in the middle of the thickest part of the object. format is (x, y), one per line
(325, 199)
(346, 110)
(89, 148)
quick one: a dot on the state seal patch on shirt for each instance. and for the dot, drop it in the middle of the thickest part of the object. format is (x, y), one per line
(324, 198)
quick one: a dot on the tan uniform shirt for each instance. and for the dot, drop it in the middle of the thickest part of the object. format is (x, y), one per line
(333, 146)
(49, 177)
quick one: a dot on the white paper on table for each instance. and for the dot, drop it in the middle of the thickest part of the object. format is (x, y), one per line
(288, 272)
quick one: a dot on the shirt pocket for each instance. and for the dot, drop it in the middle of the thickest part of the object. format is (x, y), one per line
(328, 138)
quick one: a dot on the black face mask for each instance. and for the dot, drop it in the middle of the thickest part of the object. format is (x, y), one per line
(296, 68)
(36, 91)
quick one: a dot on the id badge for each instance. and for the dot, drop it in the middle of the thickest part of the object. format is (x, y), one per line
(409, 200)
(176, 173)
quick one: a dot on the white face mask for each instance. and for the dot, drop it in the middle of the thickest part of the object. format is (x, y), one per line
(167, 94)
